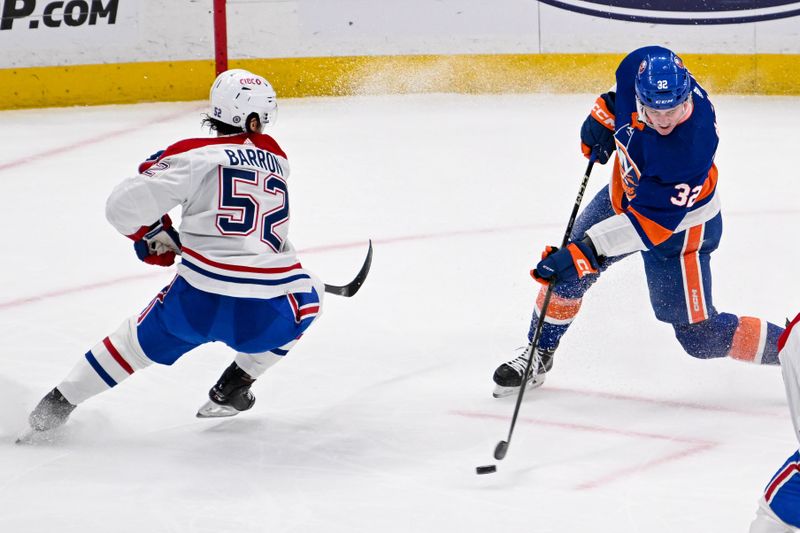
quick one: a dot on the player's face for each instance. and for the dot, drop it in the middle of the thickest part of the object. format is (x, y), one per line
(665, 120)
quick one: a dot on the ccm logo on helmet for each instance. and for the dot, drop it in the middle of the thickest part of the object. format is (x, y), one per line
(250, 81)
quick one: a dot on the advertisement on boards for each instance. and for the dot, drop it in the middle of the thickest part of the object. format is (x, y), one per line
(53, 32)
(684, 12)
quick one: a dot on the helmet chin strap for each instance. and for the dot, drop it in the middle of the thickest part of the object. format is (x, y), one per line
(641, 110)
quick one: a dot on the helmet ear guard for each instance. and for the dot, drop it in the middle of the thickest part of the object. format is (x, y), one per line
(662, 82)
(238, 93)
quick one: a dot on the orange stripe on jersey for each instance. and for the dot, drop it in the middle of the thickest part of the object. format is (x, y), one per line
(559, 308)
(615, 190)
(654, 231)
(692, 277)
(636, 123)
(746, 340)
(710, 185)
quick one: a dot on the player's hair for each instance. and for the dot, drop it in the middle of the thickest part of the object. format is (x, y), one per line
(222, 128)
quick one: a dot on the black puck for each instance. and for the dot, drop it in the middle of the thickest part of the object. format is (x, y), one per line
(488, 469)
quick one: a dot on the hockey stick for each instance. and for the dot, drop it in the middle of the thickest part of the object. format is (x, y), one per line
(502, 447)
(351, 288)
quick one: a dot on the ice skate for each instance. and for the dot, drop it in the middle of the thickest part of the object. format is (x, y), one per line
(51, 412)
(230, 396)
(508, 376)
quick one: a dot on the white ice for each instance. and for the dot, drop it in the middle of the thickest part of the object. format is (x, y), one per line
(377, 419)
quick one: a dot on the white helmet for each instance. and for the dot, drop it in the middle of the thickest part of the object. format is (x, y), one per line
(236, 93)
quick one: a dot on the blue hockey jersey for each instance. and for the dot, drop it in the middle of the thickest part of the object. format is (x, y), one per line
(661, 184)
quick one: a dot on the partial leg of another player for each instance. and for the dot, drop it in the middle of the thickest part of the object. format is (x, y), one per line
(790, 367)
(779, 508)
(767, 521)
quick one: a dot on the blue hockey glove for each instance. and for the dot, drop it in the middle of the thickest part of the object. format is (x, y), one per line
(597, 132)
(159, 245)
(575, 261)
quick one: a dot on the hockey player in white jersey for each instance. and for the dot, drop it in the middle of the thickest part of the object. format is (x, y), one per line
(238, 280)
(779, 508)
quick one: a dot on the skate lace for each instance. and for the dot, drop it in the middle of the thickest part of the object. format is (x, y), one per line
(519, 364)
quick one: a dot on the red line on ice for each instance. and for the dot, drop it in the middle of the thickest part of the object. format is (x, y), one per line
(77, 289)
(691, 446)
(669, 403)
(83, 143)
(316, 249)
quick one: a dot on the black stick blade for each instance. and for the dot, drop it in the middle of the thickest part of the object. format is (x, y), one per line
(500, 450)
(351, 288)
(488, 469)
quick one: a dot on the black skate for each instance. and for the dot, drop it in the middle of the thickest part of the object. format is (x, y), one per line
(508, 376)
(52, 411)
(230, 396)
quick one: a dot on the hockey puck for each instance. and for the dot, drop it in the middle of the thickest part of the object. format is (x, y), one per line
(488, 469)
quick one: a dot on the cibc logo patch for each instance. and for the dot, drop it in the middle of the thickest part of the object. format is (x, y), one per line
(692, 12)
(53, 14)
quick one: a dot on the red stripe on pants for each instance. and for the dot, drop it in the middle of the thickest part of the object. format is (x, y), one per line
(117, 356)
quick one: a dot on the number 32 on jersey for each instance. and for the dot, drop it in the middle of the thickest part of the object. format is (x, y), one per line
(686, 196)
(250, 201)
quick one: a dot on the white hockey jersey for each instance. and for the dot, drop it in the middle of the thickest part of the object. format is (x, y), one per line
(235, 213)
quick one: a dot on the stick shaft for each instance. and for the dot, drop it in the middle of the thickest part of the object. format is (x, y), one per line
(531, 350)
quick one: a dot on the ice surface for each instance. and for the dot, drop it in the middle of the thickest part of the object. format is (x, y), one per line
(377, 419)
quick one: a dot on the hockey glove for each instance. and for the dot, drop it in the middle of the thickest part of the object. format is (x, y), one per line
(597, 132)
(575, 261)
(159, 244)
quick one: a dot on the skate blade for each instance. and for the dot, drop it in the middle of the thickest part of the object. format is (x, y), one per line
(215, 410)
(534, 383)
(26, 437)
(32, 437)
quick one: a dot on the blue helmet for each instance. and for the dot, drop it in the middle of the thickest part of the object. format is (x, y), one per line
(662, 81)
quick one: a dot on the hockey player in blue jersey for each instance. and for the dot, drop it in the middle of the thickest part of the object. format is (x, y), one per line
(779, 508)
(239, 280)
(661, 203)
